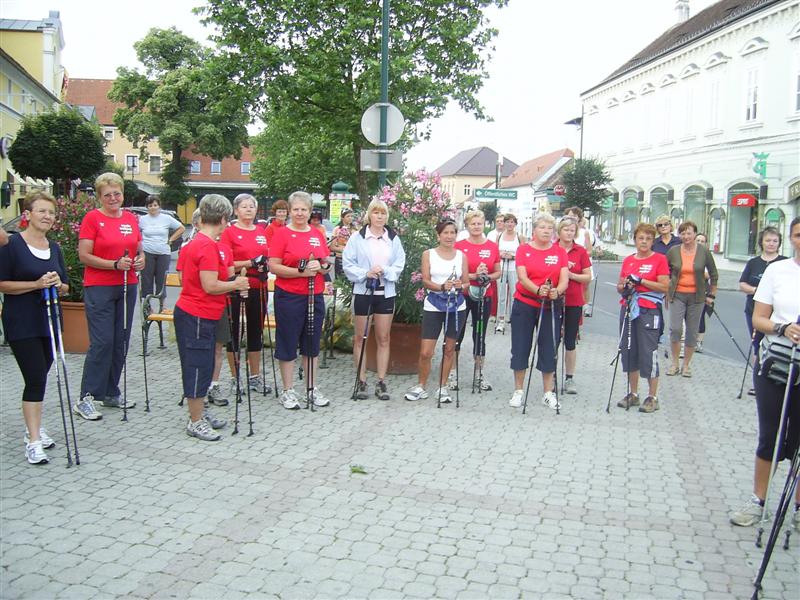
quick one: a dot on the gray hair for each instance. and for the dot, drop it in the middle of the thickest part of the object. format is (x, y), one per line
(543, 217)
(300, 196)
(213, 208)
(241, 198)
(196, 218)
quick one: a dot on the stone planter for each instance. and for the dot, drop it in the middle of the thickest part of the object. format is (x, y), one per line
(404, 344)
(76, 329)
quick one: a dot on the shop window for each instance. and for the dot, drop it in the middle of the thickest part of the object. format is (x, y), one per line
(742, 220)
(694, 204)
(630, 215)
(676, 216)
(774, 217)
(716, 219)
(607, 220)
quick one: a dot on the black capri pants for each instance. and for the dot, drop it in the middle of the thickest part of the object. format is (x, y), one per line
(478, 326)
(255, 313)
(34, 357)
(524, 321)
(769, 401)
(572, 321)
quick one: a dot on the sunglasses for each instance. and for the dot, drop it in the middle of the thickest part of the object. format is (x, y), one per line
(662, 224)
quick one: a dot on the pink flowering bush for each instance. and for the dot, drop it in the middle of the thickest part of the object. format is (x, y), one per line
(416, 202)
(69, 214)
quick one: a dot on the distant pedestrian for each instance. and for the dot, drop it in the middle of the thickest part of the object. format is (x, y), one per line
(665, 238)
(580, 273)
(159, 231)
(507, 242)
(688, 293)
(280, 210)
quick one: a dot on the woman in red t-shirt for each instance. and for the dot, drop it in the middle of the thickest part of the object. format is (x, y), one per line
(580, 273)
(643, 281)
(204, 283)
(295, 256)
(542, 277)
(281, 210)
(248, 242)
(110, 247)
(483, 260)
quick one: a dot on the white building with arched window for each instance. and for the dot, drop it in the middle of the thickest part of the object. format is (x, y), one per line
(704, 125)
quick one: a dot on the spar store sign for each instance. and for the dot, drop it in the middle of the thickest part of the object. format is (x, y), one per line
(743, 201)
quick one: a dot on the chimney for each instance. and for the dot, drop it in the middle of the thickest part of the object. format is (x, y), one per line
(682, 8)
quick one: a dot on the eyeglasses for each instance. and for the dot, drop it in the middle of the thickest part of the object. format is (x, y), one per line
(662, 224)
(110, 195)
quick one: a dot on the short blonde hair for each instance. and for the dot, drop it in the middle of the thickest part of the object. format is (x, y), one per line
(543, 217)
(567, 222)
(663, 219)
(472, 214)
(108, 179)
(302, 198)
(376, 206)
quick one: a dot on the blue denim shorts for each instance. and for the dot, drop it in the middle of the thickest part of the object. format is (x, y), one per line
(196, 338)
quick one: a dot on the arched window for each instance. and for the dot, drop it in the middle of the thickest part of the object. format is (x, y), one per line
(694, 204)
(714, 226)
(658, 202)
(630, 215)
(607, 220)
(742, 221)
(676, 216)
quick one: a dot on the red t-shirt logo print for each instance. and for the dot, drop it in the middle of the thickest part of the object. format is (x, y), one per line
(313, 241)
(125, 229)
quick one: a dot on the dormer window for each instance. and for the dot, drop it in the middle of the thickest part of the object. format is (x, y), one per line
(613, 102)
(755, 45)
(716, 59)
(647, 88)
(629, 95)
(667, 80)
(689, 71)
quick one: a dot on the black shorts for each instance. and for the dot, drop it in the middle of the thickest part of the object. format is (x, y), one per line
(223, 333)
(381, 305)
(769, 402)
(432, 322)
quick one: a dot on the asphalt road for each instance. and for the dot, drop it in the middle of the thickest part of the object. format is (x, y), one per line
(729, 307)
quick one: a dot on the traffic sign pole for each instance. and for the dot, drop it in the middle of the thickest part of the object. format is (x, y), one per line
(384, 92)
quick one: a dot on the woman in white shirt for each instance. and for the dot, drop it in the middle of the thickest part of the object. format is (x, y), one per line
(159, 230)
(508, 242)
(444, 274)
(776, 315)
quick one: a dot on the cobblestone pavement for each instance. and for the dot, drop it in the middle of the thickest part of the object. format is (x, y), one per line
(474, 502)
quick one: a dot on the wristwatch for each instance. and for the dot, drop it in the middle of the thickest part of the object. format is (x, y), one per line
(301, 266)
(779, 328)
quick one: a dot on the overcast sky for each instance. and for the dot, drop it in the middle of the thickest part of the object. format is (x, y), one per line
(547, 53)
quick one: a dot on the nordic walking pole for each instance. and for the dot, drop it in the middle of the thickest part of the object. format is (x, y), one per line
(310, 317)
(555, 352)
(744, 375)
(477, 368)
(237, 360)
(444, 349)
(63, 357)
(458, 386)
(615, 361)
(144, 357)
(535, 344)
(730, 335)
(245, 325)
(370, 284)
(594, 295)
(125, 342)
(265, 320)
(46, 293)
(507, 305)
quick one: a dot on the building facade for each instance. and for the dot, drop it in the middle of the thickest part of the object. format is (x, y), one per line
(704, 125)
(470, 170)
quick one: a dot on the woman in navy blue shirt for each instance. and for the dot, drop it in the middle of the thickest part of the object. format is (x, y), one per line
(30, 263)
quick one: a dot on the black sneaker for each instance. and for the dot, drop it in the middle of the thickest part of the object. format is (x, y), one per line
(361, 390)
(380, 391)
(116, 402)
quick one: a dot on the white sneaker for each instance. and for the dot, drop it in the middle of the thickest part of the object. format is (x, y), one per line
(485, 385)
(516, 399)
(500, 327)
(47, 441)
(318, 398)
(749, 514)
(35, 453)
(85, 408)
(551, 401)
(416, 393)
(452, 382)
(443, 395)
(202, 431)
(289, 399)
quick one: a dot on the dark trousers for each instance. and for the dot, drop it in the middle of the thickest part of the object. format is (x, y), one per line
(478, 327)
(107, 338)
(255, 310)
(34, 357)
(524, 321)
(155, 271)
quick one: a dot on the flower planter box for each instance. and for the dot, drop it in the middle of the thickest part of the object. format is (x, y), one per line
(404, 349)
(76, 329)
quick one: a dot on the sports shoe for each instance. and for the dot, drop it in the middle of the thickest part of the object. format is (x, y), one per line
(44, 437)
(380, 390)
(361, 391)
(215, 396)
(416, 393)
(116, 402)
(749, 514)
(516, 399)
(698, 347)
(85, 408)
(445, 397)
(551, 401)
(35, 453)
(501, 327)
(257, 385)
(796, 519)
(318, 398)
(485, 385)
(201, 430)
(649, 405)
(452, 382)
(214, 421)
(289, 399)
(629, 400)
(569, 386)
(588, 310)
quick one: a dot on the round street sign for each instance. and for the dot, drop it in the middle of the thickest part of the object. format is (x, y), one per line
(371, 124)
(559, 190)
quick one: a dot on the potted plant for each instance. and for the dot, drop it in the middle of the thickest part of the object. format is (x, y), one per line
(69, 214)
(416, 202)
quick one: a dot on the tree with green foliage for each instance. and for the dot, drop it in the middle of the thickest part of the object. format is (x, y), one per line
(586, 181)
(182, 100)
(317, 64)
(59, 145)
